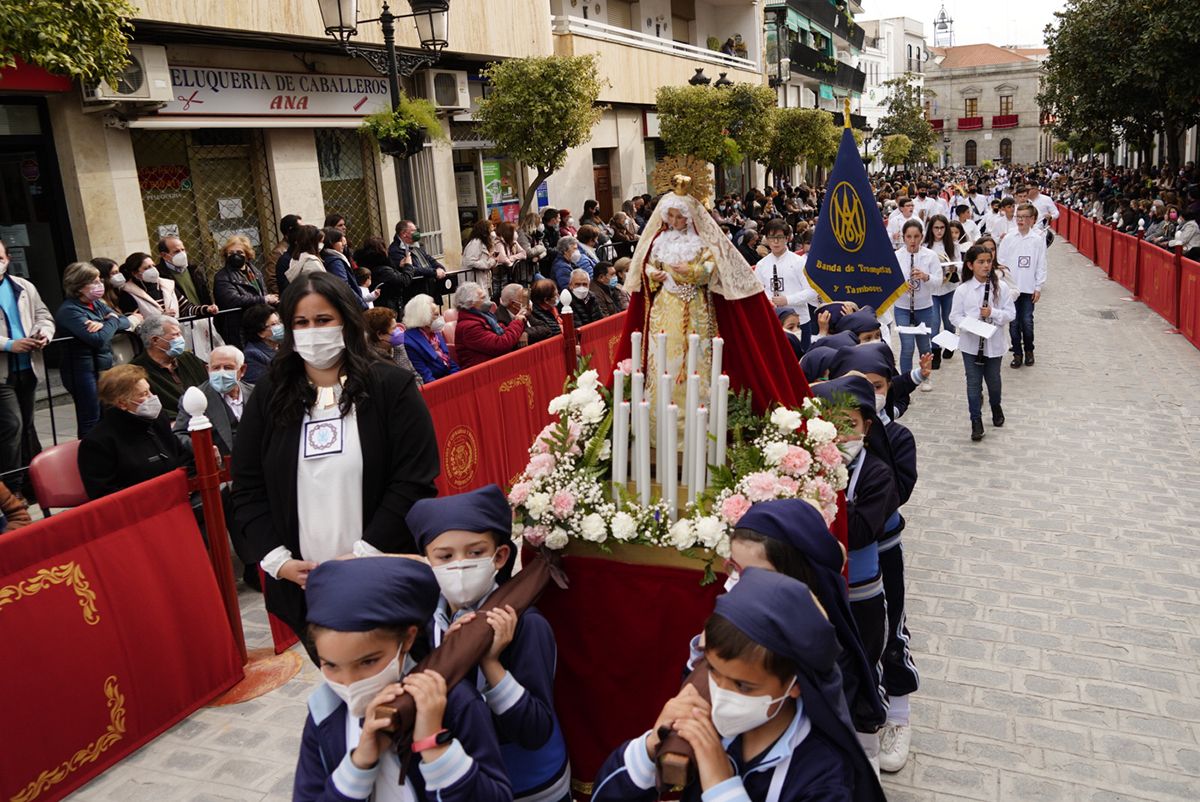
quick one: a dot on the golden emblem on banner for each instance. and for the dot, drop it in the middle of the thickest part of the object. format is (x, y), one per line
(88, 754)
(460, 458)
(612, 347)
(847, 218)
(524, 380)
(69, 574)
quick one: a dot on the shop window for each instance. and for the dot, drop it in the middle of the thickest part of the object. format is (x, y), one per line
(971, 153)
(348, 187)
(205, 186)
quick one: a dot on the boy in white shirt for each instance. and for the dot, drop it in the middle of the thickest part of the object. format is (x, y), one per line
(782, 276)
(1023, 252)
(1047, 210)
(1003, 223)
(970, 230)
(905, 211)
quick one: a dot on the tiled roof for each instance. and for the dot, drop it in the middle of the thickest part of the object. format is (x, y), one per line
(983, 55)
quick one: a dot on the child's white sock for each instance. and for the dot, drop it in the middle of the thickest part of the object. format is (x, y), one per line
(898, 710)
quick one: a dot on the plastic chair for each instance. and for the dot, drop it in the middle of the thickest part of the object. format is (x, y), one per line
(450, 315)
(55, 477)
(448, 332)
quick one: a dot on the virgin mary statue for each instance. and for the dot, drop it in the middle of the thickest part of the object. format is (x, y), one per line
(687, 278)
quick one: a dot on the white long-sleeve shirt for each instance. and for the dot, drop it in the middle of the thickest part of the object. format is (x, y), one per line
(925, 260)
(947, 287)
(790, 269)
(1025, 257)
(1047, 209)
(968, 300)
(895, 227)
(1000, 226)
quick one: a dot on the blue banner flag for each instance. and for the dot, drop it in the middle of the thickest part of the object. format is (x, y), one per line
(851, 258)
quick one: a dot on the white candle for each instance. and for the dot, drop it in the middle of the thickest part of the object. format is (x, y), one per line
(722, 420)
(643, 453)
(660, 422)
(718, 348)
(636, 393)
(691, 401)
(620, 448)
(635, 350)
(693, 349)
(618, 389)
(700, 430)
(660, 351)
(671, 458)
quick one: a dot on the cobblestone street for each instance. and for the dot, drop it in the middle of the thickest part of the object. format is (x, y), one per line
(1053, 576)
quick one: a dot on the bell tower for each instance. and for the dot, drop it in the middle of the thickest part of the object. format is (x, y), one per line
(943, 30)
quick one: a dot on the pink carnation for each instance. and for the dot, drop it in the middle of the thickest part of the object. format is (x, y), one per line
(563, 503)
(535, 535)
(829, 512)
(796, 461)
(830, 454)
(733, 508)
(519, 493)
(787, 486)
(761, 486)
(540, 465)
(626, 366)
(823, 490)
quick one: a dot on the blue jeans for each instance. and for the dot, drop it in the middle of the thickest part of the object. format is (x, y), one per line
(81, 384)
(1020, 331)
(942, 305)
(976, 375)
(906, 318)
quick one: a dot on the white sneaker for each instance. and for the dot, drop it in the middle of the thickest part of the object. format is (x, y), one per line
(894, 740)
(927, 385)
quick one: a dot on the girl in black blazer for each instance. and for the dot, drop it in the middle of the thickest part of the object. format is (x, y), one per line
(334, 448)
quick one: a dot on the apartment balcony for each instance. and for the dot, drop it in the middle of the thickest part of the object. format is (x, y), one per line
(915, 65)
(817, 65)
(1004, 121)
(937, 125)
(970, 123)
(636, 64)
(824, 14)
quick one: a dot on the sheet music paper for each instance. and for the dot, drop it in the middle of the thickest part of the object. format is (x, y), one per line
(980, 328)
(946, 339)
(920, 329)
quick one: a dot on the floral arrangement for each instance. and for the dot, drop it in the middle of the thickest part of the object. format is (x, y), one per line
(565, 492)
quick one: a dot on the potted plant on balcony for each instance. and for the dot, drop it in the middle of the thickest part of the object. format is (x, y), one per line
(401, 132)
(713, 43)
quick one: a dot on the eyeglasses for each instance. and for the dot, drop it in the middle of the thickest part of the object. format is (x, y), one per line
(776, 238)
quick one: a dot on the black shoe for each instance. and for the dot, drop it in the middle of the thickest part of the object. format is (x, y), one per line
(1029, 359)
(976, 430)
(1017, 362)
(947, 354)
(997, 417)
(937, 359)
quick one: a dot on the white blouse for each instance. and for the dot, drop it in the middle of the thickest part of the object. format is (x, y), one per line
(926, 261)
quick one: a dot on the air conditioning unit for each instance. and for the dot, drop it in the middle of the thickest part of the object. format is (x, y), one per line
(446, 89)
(147, 79)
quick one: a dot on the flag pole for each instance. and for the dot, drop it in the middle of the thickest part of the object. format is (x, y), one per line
(846, 113)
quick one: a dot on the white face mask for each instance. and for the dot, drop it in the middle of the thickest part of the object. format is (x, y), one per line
(357, 695)
(575, 258)
(464, 582)
(732, 581)
(735, 713)
(117, 280)
(580, 292)
(149, 408)
(850, 450)
(150, 275)
(180, 260)
(319, 347)
(880, 402)
(437, 325)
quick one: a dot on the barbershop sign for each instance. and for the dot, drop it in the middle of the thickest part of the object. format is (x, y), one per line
(257, 93)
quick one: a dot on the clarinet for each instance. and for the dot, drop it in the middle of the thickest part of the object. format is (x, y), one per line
(980, 359)
(912, 289)
(776, 281)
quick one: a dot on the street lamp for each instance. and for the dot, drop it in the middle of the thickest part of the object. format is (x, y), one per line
(699, 79)
(432, 20)
(722, 81)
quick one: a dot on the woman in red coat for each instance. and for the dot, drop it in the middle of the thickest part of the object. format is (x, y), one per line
(478, 336)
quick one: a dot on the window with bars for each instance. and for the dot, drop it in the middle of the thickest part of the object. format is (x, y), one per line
(346, 163)
(205, 186)
(1006, 104)
(972, 109)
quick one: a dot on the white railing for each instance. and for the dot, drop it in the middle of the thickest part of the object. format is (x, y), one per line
(624, 36)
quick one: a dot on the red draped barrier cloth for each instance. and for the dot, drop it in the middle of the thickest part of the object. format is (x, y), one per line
(623, 649)
(1158, 280)
(1060, 221)
(599, 341)
(1073, 228)
(1087, 239)
(1189, 301)
(113, 631)
(1124, 259)
(1104, 244)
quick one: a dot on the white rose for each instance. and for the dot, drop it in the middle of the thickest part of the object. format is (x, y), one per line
(774, 452)
(710, 531)
(839, 477)
(558, 404)
(593, 411)
(606, 449)
(821, 431)
(722, 548)
(681, 534)
(582, 396)
(592, 528)
(589, 379)
(538, 504)
(557, 538)
(517, 530)
(624, 527)
(786, 420)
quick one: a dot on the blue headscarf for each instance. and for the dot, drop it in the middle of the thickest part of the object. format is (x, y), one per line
(483, 510)
(867, 358)
(370, 592)
(817, 362)
(859, 322)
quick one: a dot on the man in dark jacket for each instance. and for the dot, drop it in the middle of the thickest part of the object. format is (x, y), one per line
(170, 368)
(406, 253)
(191, 283)
(583, 304)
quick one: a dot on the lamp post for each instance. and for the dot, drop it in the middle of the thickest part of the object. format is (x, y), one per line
(432, 20)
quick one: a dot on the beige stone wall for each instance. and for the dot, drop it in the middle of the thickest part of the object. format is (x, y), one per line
(503, 28)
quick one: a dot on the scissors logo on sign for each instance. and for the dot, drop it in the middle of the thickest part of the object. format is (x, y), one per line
(847, 217)
(188, 101)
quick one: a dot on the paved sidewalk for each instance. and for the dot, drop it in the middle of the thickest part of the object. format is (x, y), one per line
(1054, 586)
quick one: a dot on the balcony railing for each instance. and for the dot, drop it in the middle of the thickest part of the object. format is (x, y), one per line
(970, 123)
(1004, 121)
(824, 14)
(624, 36)
(937, 125)
(815, 64)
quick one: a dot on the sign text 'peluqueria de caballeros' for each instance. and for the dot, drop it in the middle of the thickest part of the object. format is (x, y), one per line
(241, 92)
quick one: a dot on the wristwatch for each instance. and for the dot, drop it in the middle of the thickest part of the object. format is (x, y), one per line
(439, 738)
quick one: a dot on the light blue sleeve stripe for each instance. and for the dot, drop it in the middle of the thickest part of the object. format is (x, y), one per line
(641, 768)
(731, 790)
(352, 781)
(448, 769)
(502, 698)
